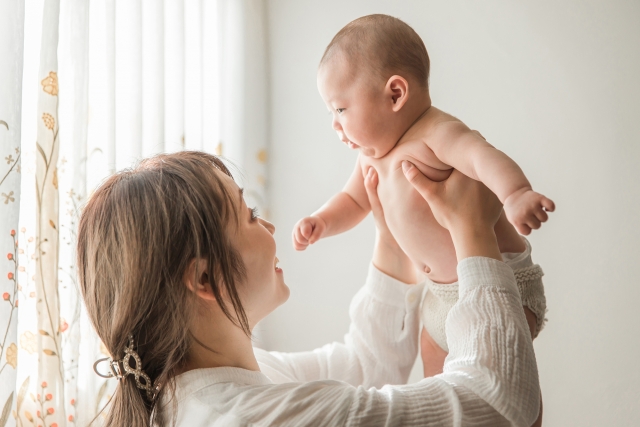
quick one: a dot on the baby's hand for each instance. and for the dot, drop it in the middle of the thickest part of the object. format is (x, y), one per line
(526, 210)
(308, 231)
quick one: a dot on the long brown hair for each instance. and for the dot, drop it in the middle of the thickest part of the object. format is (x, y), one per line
(137, 235)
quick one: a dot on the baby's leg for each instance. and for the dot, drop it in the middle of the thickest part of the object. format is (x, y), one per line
(432, 355)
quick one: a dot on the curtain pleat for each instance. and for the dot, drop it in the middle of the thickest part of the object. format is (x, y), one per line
(174, 75)
(152, 77)
(11, 47)
(128, 33)
(193, 75)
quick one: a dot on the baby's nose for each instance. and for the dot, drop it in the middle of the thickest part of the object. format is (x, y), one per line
(336, 125)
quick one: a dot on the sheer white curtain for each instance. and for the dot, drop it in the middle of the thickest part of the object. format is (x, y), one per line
(87, 88)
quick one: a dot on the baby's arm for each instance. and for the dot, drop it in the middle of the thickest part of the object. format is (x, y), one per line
(342, 212)
(456, 145)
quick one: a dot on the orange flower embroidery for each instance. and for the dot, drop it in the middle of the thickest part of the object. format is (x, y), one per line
(48, 120)
(262, 156)
(12, 355)
(50, 83)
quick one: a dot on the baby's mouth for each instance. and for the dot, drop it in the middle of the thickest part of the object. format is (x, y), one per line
(275, 265)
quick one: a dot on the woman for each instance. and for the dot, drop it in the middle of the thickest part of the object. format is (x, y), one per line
(176, 270)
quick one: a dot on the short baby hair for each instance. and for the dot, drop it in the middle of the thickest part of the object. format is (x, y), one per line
(385, 44)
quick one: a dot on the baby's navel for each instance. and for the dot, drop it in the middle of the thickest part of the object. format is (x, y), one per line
(426, 269)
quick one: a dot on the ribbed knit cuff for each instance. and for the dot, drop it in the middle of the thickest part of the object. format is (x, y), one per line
(474, 272)
(391, 291)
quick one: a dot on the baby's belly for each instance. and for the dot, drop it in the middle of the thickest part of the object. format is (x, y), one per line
(414, 227)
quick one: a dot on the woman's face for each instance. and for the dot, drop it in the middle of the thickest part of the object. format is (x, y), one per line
(263, 289)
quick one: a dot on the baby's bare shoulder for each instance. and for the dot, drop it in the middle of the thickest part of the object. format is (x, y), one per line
(434, 124)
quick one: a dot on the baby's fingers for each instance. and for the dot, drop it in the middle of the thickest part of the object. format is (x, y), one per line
(533, 223)
(541, 214)
(306, 230)
(371, 185)
(548, 204)
(300, 243)
(523, 229)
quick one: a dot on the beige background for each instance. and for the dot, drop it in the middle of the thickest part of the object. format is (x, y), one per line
(553, 84)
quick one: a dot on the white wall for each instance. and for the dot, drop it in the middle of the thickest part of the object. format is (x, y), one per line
(553, 84)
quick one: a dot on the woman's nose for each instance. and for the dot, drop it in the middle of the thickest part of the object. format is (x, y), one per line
(266, 224)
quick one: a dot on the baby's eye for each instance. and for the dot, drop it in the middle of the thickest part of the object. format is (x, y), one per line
(340, 110)
(254, 214)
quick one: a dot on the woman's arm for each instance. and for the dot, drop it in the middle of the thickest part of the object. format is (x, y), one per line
(382, 343)
(490, 376)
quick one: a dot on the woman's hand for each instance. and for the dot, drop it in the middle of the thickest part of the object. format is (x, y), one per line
(465, 207)
(388, 257)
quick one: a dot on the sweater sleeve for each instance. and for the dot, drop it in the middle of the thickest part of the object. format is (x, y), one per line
(380, 347)
(490, 375)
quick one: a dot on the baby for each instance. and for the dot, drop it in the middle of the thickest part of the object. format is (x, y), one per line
(373, 77)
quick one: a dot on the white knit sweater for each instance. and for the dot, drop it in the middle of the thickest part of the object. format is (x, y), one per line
(490, 376)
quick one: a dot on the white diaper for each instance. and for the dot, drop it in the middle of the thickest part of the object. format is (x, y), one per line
(439, 299)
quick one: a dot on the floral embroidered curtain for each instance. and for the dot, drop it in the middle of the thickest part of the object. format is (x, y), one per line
(87, 88)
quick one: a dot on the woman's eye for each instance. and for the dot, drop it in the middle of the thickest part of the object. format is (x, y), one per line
(340, 110)
(254, 214)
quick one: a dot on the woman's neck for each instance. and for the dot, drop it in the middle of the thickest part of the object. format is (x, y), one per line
(217, 342)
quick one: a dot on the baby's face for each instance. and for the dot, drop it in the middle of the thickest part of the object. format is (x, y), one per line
(356, 103)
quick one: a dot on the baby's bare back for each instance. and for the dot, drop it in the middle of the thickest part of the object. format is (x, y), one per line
(409, 216)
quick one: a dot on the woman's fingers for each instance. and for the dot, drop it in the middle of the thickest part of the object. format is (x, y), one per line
(371, 185)
(421, 183)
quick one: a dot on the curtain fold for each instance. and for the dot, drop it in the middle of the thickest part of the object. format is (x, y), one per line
(87, 88)
(11, 47)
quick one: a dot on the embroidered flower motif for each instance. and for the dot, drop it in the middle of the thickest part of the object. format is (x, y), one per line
(49, 121)
(6, 296)
(12, 355)
(8, 197)
(28, 342)
(63, 325)
(262, 156)
(50, 83)
(9, 159)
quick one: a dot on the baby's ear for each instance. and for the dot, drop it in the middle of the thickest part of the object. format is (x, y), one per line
(397, 90)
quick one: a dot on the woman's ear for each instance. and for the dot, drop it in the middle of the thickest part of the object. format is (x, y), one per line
(197, 279)
(397, 90)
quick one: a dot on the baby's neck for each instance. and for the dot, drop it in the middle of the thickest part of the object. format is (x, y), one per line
(416, 110)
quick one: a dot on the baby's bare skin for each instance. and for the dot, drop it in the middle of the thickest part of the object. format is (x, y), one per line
(408, 215)
(388, 127)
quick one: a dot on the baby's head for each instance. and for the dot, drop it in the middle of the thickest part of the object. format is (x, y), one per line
(373, 77)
